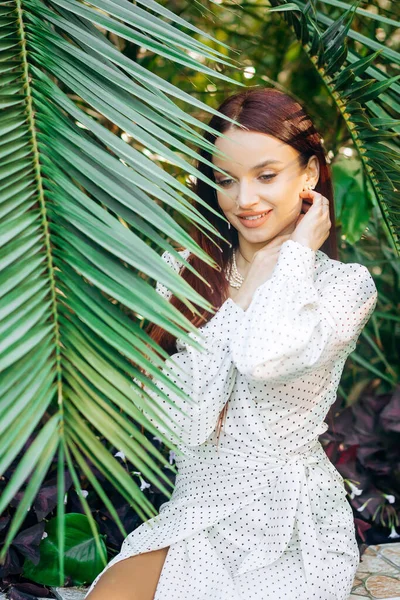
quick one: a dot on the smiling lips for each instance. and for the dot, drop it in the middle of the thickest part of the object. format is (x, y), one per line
(256, 220)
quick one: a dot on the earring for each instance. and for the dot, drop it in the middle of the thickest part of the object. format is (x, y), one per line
(229, 224)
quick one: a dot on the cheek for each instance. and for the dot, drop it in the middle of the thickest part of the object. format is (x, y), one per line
(225, 201)
(281, 195)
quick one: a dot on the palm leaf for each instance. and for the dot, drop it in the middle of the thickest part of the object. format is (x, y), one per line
(365, 95)
(83, 222)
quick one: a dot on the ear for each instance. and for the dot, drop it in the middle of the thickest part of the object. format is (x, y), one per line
(312, 170)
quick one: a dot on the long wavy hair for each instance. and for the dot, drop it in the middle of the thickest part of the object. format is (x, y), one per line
(263, 110)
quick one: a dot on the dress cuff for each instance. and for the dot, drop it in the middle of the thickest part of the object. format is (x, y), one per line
(295, 260)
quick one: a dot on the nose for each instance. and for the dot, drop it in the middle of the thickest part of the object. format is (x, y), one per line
(247, 197)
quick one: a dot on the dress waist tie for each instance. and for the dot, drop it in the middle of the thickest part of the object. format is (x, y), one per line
(290, 505)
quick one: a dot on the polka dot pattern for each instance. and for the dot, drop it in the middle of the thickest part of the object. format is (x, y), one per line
(263, 516)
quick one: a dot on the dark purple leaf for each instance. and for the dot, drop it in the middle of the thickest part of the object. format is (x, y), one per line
(373, 458)
(390, 415)
(361, 527)
(359, 478)
(374, 498)
(12, 564)
(4, 521)
(129, 519)
(15, 594)
(46, 500)
(27, 541)
(341, 427)
(34, 589)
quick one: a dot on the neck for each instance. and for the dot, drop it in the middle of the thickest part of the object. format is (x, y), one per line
(246, 250)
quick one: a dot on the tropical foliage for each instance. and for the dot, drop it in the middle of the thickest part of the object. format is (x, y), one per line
(366, 96)
(363, 442)
(103, 107)
(79, 206)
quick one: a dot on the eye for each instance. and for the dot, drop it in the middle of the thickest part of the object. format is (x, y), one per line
(223, 182)
(226, 182)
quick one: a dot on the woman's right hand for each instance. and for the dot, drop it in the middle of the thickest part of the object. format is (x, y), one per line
(311, 229)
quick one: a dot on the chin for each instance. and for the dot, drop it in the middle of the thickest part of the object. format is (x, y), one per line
(259, 236)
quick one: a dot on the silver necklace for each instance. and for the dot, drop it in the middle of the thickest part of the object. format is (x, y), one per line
(234, 277)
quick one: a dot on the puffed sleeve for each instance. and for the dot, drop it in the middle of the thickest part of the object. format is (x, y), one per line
(296, 324)
(207, 377)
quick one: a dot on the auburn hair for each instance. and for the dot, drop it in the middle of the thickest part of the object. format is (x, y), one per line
(263, 110)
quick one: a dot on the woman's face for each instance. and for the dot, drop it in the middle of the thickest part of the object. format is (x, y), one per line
(264, 176)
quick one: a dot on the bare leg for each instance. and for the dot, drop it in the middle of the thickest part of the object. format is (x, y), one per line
(133, 578)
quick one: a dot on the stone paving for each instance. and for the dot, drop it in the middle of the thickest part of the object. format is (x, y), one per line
(69, 593)
(378, 577)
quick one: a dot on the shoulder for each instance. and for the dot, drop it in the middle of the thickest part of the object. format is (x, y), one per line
(174, 263)
(335, 273)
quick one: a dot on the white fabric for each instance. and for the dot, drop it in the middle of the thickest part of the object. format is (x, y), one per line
(263, 516)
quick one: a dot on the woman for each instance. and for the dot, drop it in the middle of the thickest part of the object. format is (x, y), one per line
(260, 512)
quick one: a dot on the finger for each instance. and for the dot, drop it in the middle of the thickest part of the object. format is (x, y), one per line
(318, 197)
(321, 201)
(325, 202)
(311, 196)
(310, 193)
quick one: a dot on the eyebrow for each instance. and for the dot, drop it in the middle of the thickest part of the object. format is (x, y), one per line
(260, 165)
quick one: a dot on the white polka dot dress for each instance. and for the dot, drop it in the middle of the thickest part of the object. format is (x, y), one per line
(263, 516)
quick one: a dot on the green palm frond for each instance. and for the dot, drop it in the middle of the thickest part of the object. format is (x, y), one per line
(82, 212)
(365, 94)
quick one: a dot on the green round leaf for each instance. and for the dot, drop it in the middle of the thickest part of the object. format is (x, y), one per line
(82, 560)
